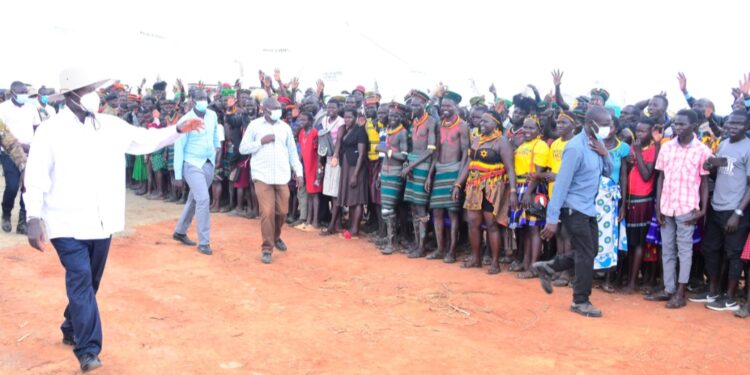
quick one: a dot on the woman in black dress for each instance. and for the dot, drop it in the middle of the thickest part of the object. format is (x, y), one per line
(351, 152)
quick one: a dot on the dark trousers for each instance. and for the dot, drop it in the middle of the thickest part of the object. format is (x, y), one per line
(84, 265)
(584, 240)
(716, 240)
(12, 180)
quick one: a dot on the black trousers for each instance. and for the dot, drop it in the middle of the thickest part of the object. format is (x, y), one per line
(584, 239)
(12, 182)
(716, 240)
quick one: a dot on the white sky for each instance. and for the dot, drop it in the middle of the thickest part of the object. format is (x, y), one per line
(633, 48)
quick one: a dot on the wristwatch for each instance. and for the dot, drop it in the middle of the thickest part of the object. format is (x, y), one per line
(739, 212)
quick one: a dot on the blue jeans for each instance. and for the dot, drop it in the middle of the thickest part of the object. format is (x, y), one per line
(12, 180)
(84, 262)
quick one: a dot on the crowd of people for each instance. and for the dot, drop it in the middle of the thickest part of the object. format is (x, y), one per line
(648, 199)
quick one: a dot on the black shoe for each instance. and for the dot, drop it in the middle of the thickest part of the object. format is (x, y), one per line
(266, 258)
(724, 303)
(586, 309)
(280, 245)
(205, 249)
(89, 362)
(704, 298)
(68, 340)
(21, 228)
(7, 227)
(661, 296)
(545, 272)
(184, 239)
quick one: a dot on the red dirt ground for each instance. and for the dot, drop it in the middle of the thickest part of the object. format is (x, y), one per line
(334, 306)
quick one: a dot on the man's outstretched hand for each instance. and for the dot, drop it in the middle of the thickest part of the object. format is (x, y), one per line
(190, 125)
(36, 235)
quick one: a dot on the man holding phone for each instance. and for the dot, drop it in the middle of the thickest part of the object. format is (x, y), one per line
(727, 225)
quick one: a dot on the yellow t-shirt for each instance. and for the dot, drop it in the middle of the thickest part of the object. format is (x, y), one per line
(555, 159)
(523, 156)
(373, 134)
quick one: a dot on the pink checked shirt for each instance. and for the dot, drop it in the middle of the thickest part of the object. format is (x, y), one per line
(682, 168)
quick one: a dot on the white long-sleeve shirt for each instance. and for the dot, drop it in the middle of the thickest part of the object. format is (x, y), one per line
(75, 178)
(271, 163)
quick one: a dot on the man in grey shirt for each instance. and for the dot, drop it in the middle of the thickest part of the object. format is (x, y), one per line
(727, 224)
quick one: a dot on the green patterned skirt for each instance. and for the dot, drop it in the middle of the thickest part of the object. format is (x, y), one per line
(157, 161)
(140, 171)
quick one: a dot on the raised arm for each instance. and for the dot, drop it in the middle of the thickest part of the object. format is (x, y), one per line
(557, 81)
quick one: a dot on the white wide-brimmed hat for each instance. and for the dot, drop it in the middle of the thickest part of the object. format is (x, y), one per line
(75, 78)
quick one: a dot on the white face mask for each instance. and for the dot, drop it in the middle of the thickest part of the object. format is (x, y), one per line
(90, 102)
(603, 132)
(276, 115)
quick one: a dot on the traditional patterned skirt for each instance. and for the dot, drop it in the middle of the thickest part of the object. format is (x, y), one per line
(607, 210)
(485, 190)
(654, 232)
(373, 169)
(157, 161)
(415, 192)
(391, 185)
(519, 218)
(445, 176)
(639, 215)
(226, 162)
(140, 169)
(170, 158)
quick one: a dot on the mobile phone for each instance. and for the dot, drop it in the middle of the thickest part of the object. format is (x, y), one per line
(718, 162)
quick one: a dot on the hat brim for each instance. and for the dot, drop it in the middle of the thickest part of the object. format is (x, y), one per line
(63, 91)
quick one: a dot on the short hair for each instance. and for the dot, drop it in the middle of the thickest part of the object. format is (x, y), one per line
(743, 113)
(690, 114)
(480, 107)
(309, 116)
(596, 110)
(647, 120)
(664, 98)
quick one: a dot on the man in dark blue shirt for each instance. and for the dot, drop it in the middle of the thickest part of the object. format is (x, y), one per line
(585, 160)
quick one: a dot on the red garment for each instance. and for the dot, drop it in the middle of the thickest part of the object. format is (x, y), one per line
(308, 142)
(636, 185)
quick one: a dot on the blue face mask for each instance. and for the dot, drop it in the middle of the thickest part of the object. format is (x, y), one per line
(22, 98)
(201, 105)
(44, 99)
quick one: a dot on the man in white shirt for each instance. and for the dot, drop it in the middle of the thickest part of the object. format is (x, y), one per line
(79, 210)
(46, 111)
(270, 143)
(21, 117)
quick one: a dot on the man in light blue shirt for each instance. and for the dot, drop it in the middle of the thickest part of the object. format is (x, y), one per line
(195, 157)
(584, 161)
(273, 151)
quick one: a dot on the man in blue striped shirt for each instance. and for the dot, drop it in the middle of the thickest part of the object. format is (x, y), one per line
(195, 157)
(270, 142)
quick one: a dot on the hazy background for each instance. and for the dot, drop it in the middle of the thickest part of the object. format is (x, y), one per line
(632, 48)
